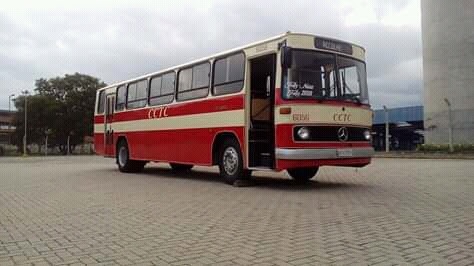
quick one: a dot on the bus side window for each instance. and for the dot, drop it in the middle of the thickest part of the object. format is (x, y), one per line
(137, 94)
(121, 98)
(229, 74)
(101, 102)
(110, 108)
(193, 82)
(162, 89)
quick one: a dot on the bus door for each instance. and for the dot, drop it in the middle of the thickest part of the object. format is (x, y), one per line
(262, 94)
(109, 132)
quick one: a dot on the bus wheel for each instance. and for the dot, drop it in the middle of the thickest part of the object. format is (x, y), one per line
(303, 174)
(231, 162)
(124, 163)
(181, 167)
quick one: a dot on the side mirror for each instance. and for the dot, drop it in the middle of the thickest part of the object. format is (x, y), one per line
(286, 56)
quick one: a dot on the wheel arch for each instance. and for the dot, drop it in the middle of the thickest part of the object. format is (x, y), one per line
(219, 139)
(121, 138)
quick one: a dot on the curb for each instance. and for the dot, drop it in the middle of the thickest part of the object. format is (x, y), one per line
(424, 156)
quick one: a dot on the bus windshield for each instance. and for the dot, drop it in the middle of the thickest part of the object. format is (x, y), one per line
(316, 75)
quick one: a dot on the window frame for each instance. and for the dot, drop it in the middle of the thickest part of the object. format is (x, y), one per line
(162, 95)
(336, 55)
(116, 98)
(101, 94)
(192, 77)
(127, 107)
(229, 82)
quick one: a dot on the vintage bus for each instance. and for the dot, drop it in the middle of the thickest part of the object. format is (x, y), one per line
(293, 102)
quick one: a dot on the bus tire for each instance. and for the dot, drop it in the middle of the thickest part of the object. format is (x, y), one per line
(181, 167)
(231, 164)
(138, 166)
(124, 163)
(303, 174)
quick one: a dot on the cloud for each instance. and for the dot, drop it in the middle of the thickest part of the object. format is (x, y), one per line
(117, 40)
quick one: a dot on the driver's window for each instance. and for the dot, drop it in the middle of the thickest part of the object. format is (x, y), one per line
(349, 80)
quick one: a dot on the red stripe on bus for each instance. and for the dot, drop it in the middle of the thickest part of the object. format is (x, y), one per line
(229, 103)
(192, 146)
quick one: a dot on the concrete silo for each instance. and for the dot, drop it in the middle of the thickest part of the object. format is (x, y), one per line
(448, 69)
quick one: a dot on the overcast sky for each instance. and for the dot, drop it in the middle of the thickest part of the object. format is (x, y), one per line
(116, 40)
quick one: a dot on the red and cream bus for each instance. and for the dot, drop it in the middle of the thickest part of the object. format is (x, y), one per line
(293, 102)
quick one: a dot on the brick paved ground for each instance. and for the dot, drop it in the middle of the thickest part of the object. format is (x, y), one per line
(81, 210)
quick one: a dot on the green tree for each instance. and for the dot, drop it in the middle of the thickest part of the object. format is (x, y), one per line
(41, 116)
(65, 105)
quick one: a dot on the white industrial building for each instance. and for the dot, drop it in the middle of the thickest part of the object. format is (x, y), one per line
(448, 69)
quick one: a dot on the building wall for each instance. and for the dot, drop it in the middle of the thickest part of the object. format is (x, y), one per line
(6, 117)
(448, 68)
(6, 129)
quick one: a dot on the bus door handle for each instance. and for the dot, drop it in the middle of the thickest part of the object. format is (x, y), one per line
(112, 136)
(268, 84)
(109, 136)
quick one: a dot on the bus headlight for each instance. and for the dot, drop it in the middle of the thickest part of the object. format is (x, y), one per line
(367, 135)
(303, 133)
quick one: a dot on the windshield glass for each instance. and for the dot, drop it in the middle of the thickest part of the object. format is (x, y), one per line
(316, 75)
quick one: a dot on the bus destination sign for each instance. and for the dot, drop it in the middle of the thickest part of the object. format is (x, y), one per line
(337, 46)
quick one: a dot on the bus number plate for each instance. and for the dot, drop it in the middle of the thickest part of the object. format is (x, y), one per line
(344, 152)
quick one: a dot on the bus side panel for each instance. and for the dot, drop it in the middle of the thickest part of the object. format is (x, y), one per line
(99, 143)
(182, 132)
(193, 146)
(99, 135)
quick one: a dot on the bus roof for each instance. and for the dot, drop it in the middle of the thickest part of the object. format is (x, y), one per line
(233, 50)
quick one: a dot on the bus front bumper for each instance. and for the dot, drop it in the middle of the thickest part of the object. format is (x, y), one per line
(322, 154)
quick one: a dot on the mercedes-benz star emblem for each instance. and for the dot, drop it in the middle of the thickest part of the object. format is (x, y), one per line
(343, 134)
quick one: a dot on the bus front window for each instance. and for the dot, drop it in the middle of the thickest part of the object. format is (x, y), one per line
(352, 79)
(315, 75)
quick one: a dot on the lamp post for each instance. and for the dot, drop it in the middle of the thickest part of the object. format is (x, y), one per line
(47, 133)
(9, 113)
(69, 142)
(25, 92)
(450, 132)
(387, 146)
(9, 101)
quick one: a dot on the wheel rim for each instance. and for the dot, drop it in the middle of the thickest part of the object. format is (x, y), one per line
(230, 160)
(123, 156)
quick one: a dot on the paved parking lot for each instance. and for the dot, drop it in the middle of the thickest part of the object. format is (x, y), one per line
(82, 210)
